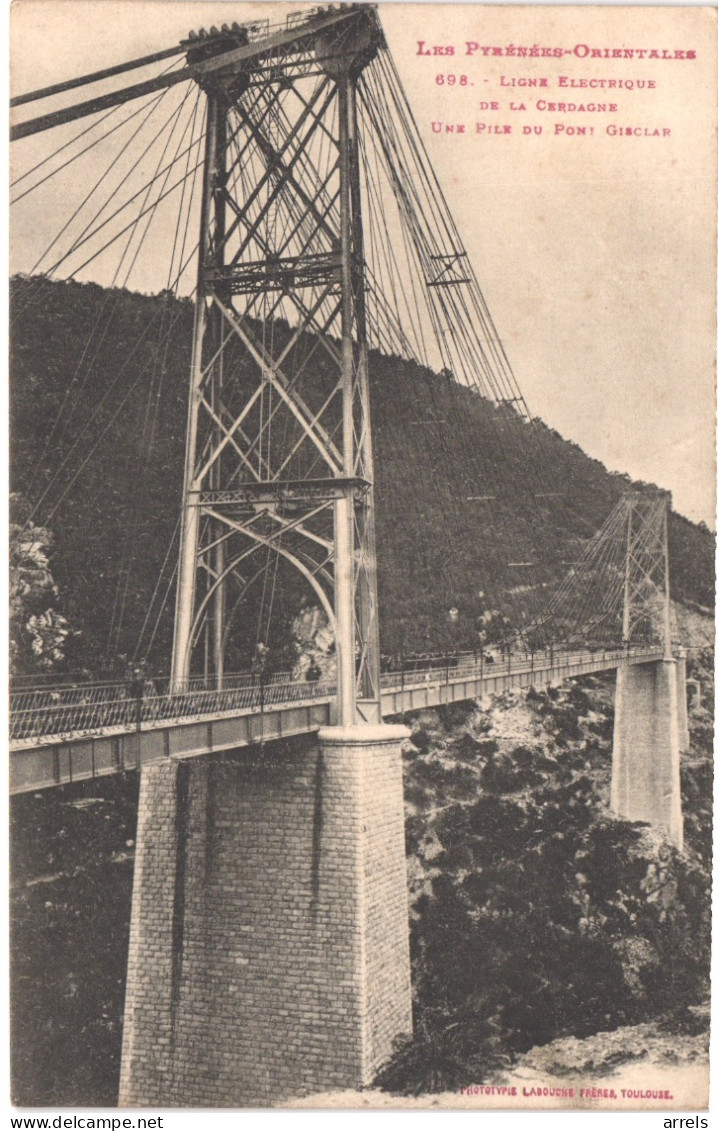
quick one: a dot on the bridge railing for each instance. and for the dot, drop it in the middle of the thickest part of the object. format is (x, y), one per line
(96, 708)
(66, 695)
(434, 668)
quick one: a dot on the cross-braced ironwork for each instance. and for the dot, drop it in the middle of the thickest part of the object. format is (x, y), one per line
(646, 592)
(279, 455)
(618, 589)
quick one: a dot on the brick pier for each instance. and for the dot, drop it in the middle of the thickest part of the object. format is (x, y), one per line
(269, 952)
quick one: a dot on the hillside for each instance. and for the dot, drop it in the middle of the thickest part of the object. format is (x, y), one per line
(111, 367)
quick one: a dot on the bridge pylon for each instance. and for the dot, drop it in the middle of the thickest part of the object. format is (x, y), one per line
(269, 944)
(646, 585)
(279, 454)
(650, 724)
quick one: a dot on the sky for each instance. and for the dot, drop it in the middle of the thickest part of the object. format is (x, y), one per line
(595, 252)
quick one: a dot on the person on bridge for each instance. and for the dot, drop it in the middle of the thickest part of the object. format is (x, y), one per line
(136, 683)
(261, 655)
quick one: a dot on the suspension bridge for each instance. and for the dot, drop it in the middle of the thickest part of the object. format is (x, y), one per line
(278, 174)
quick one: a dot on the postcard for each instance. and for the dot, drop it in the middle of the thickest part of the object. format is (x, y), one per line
(362, 469)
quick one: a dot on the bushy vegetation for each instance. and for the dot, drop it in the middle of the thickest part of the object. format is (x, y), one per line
(112, 367)
(697, 766)
(535, 914)
(72, 854)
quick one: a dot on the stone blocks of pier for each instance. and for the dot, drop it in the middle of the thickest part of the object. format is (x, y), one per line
(269, 950)
(650, 730)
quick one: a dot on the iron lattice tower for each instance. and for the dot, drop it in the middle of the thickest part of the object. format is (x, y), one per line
(618, 591)
(646, 586)
(278, 450)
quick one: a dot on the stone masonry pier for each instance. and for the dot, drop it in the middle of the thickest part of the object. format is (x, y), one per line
(269, 951)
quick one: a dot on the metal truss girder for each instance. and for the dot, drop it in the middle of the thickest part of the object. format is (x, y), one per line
(277, 273)
(295, 39)
(286, 527)
(286, 491)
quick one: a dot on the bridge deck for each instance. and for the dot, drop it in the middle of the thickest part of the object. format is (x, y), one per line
(69, 734)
